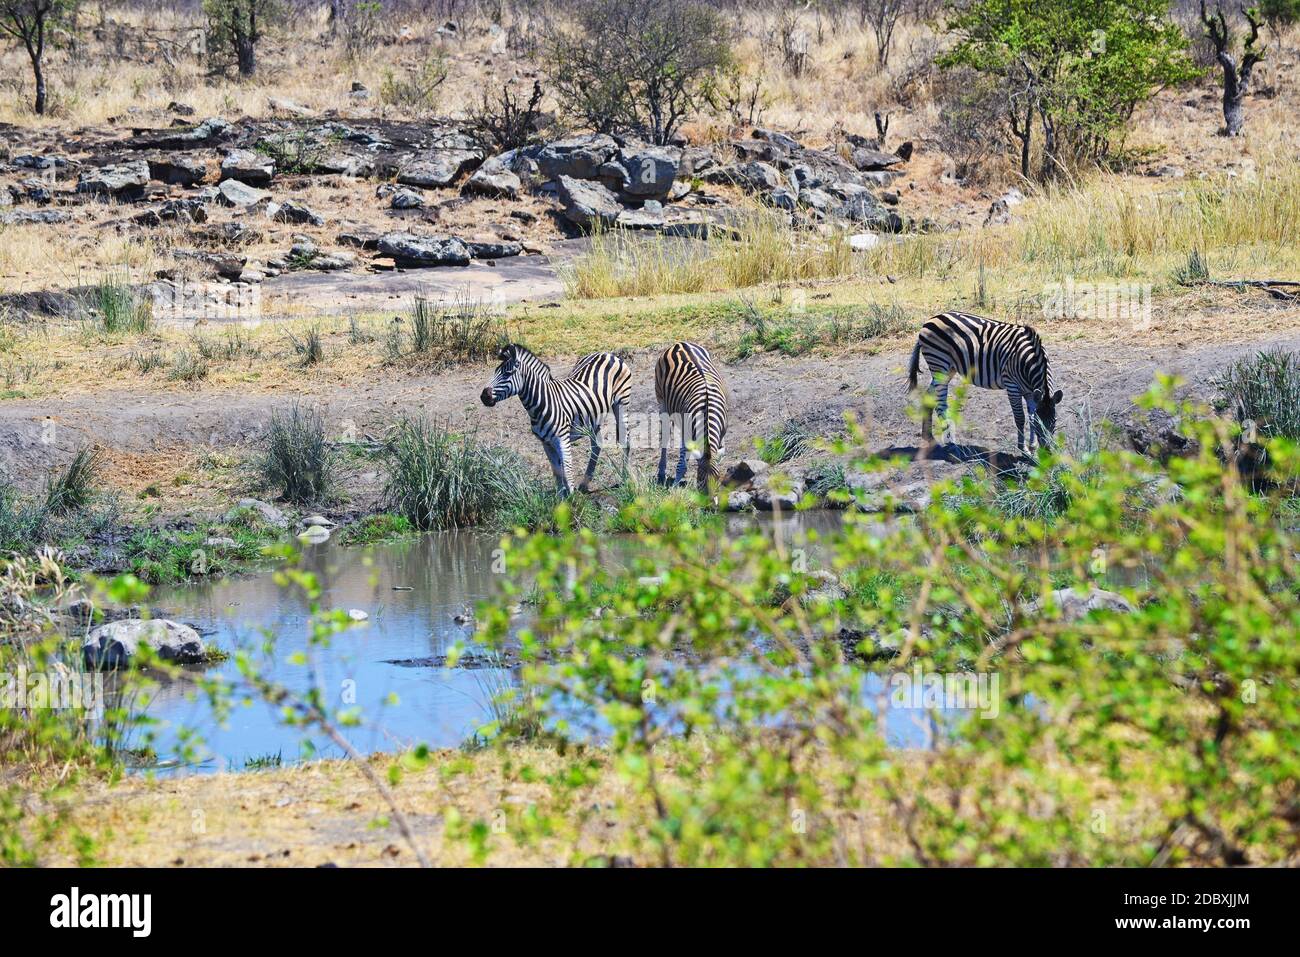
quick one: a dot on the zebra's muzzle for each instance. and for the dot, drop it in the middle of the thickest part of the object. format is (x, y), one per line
(488, 398)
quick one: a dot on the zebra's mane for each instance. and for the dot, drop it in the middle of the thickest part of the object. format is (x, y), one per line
(529, 360)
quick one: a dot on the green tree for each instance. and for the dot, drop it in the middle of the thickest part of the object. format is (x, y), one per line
(31, 23)
(637, 65)
(1074, 70)
(235, 27)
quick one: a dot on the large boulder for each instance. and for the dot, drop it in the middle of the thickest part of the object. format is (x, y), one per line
(908, 489)
(1158, 434)
(439, 170)
(248, 167)
(120, 180)
(235, 193)
(293, 212)
(650, 170)
(409, 250)
(118, 643)
(758, 177)
(177, 169)
(864, 209)
(495, 178)
(578, 157)
(586, 203)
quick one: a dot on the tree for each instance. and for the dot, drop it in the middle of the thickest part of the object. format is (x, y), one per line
(1072, 70)
(882, 16)
(1236, 77)
(234, 29)
(30, 22)
(637, 65)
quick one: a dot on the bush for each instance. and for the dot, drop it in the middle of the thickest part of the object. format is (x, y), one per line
(443, 479)
(637, 66)
(117, 308)
(502, 122)
(450, 333)
(297, 459)
(415, 90)
(72, 489)
(1167, 733)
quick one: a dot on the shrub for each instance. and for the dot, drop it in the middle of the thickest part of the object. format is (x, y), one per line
(72, 489)
(501, 122)
(443, 479)
(297, 459)
(640, 66)
(415, 90)
(449, 333)
(117, 308)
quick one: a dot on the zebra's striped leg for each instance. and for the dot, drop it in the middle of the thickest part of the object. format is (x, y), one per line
(621, 433)
(557, 451)
(663, 465)
(940, 392)
(1018, 413)
(592, 459)
(681, 462)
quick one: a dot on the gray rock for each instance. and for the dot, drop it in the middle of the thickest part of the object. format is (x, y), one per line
(117, 643)
(208, 133)
(495, 178)
(232, 192)
(248, 167)
(493, 250)
(267, 512)
(406, 199)
(587, 203)
(758, 177)
(908, 489)
(120, 181)
(292, 212)
(178, 170)
(29, 216)
(440, 170)
(866, 159)
(783, 197)
(817, 199)
(865, 210)
(1070, 605)
(415, 251)
(1158, 434)
(739, 500)
(649, 171)
(578, 157)
(174, 211)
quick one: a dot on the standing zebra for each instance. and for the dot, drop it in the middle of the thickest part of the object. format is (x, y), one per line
(991, 355)
(688, 386)
(562, 409)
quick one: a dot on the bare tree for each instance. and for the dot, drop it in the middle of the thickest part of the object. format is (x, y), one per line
(882, 16)
(30, 22)
(1236, 77)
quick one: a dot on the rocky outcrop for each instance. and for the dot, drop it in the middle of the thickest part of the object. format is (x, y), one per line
(579, 157)
(411, 251)
(233, 192)
(248, 167)
(122, 181)
(586, 203)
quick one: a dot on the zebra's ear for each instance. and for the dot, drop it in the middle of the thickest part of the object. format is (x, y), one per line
(503, 353)
(1057, 398)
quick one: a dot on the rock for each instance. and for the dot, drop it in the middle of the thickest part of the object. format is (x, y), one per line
(758, 177)
(649, 170)
(232, 192)
(292, 212)
(440, 170)
(578, 157)
(901, 490)
(783, 140)
(587, 203)
(227, 265)
(174, 211)
(115, 644)
(413, 251)
(862, 242)
(221, 543)
(783, 197)
(816, 199)
(315, 534)
(120, 181)
(866, 159)
(777, 490)
(180, 109)
(1157, 433)
(208, 133)
(651, 218)
(495, 178)
(493, 250)
(80, 611)
(998, 215)
(1070, 605)
(44, 216)
(360, 238)
(178, 170)
(247, 167)
(406, 199)
(864, 209)
(282, 105)
(356, 614)
(744, 472)
(267, 512)
(739, 501)
(320, 520)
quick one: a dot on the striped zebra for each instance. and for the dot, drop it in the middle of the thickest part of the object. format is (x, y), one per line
(991, 355)
(561, 410)
(688, 387)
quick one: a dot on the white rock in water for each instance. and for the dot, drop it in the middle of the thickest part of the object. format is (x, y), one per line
(114, 644)
(356, 614)
(315, 535)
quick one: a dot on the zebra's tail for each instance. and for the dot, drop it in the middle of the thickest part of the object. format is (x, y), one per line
(914, 369)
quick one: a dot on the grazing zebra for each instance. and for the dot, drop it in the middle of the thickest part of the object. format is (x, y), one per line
(562, 409)
(991, 355)
(688, 385)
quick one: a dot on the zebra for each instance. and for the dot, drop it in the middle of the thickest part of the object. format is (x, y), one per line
(687, 385)
(991, 355)
(562, 409)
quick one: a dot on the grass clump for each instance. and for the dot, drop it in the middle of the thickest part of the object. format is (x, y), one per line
(296, 458)
(373, 529)
(465, 330)
(1265, 389)
(310, 348)
(72, 489)
(116, 308)
(798, 333)
(438, 478)
(787, 443)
